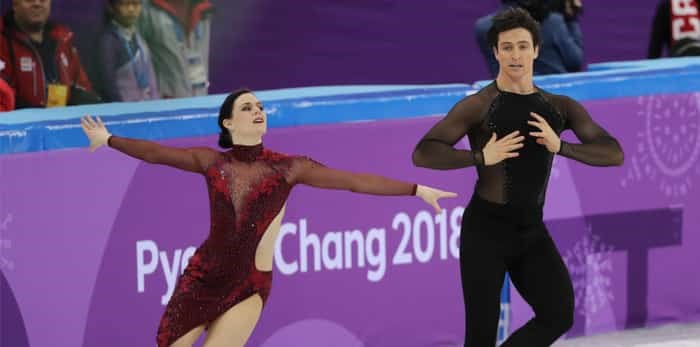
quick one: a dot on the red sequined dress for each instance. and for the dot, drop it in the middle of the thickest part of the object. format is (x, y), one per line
(248, 186)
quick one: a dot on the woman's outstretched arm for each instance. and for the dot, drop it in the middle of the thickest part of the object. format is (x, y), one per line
(195, 159)
(309, 172)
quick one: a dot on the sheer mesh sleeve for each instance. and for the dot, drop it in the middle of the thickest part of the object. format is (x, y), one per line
(597, 147)
(307, 171)
(195, 159)
(435, 150)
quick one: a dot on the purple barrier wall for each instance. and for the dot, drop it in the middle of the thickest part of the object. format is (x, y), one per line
(92, 243)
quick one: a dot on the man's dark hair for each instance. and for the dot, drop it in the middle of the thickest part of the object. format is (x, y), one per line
(513, 18)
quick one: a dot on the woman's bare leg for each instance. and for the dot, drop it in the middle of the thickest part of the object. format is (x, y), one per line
(234, 327)
(190, 338)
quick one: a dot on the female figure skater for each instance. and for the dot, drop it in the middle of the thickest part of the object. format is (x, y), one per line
(513, 129)
(228, 279)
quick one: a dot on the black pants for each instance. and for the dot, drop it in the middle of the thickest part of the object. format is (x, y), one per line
(497, 238)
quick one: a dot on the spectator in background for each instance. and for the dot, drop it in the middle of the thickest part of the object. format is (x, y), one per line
(570, 9)
(561, 46)
(126, 72)
(676, 27)
(178, 34)
(7, 95)
(40, 62)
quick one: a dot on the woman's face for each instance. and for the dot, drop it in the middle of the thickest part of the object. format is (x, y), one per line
(248, 119)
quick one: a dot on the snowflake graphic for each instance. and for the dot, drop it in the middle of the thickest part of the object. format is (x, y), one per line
(590, 265)
(5, 243)
(668, 147)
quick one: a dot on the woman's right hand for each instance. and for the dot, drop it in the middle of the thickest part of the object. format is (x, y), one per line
(496, 151)
(95, 131)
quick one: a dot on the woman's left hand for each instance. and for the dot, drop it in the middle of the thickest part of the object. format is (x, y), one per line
(432, 195)
(546, 136)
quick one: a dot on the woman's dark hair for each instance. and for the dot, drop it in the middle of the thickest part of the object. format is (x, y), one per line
(225, 140)
(513, 18)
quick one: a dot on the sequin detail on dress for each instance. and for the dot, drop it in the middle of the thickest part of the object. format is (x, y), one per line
(247, 189)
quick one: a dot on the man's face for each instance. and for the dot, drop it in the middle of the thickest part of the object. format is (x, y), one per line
(32, 13)
(515, 52)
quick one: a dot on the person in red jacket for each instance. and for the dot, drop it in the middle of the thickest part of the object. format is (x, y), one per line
(676, 29)
(7, 96)
(40, 62)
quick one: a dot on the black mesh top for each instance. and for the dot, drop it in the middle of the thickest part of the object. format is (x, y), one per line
(521, 180)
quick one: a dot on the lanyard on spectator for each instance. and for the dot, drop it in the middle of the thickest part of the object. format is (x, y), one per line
(195, 68)
(137, 57)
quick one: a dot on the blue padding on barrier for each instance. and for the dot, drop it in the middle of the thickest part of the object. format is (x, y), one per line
(38, 129)
(628, 82)
(66, 133)
(645, 64)
(208, 102)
